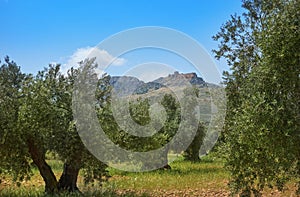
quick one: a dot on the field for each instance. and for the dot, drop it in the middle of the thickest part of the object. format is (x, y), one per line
(207, 178)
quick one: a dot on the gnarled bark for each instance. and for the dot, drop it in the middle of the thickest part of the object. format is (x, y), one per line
(68, 179)
(38, 156)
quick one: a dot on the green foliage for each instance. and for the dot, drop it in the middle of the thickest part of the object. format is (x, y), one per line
(14, 157)
(37, 117)
(139, 112)
(262, 122)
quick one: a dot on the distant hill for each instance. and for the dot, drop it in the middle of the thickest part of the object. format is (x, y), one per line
(127, 85)
(177, 79)
(175, 84)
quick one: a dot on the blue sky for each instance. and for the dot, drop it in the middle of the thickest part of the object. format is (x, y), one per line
(35, 33)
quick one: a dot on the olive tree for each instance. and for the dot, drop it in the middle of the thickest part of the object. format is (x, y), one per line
(39, 119)
(262, 120)
(13, 150)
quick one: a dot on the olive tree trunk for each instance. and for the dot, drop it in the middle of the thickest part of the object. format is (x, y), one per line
(68, 179)
(37, 154)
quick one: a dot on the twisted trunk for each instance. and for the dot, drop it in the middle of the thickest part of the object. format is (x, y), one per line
(37, 154)
(68, 179)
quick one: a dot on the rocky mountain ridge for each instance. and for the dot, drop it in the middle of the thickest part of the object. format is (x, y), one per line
(126, 85)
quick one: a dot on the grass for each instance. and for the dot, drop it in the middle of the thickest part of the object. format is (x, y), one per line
(207, 178)
(184, 175)
(185, 179)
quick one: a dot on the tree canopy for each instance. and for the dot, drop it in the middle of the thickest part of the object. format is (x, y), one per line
(262, 121)
(37, 117)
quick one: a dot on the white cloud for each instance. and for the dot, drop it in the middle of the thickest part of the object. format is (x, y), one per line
(103, 58)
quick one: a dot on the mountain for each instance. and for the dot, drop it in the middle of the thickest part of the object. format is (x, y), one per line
(176, 83)
(179, 79)
(127, 85)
